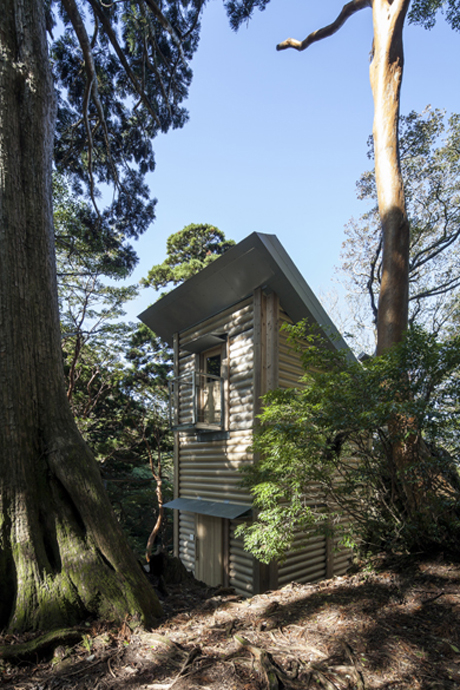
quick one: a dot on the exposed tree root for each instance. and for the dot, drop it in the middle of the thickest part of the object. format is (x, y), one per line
(43, 646)
(265, 666)
(276, 679)
(359, 678)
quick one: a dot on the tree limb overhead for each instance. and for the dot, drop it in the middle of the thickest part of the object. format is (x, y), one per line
(347, 11)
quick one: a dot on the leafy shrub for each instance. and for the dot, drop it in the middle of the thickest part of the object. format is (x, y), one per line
(369, 450)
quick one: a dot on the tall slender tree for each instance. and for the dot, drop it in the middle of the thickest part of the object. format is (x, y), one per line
(430, 162)
(386, 72)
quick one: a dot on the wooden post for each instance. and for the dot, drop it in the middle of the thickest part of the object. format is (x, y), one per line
(176, 448)
(260, 571)
(272, 346)
(272, 382)
(226, 551)
(266, 370)
(329, 556)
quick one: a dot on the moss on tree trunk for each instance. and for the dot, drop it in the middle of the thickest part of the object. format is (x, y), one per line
(63, 556)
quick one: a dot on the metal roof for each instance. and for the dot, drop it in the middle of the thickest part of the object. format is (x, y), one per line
(257, 261)
(222, 509)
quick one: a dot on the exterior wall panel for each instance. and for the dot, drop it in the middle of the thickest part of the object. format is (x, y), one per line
(208, 463)
(290, 367)
(187, 540)
(306, 562)
(208, 466)
(241, 565)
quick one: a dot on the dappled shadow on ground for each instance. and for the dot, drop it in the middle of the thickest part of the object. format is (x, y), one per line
(395, 628)
(404, 627)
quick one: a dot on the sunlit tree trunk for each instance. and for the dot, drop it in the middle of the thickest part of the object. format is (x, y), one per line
(63, 556)
(386, 76)
(386, 73)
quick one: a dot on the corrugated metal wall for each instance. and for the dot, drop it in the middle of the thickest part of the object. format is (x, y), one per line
(208, 468)
(309, 563)
(184, 391)
(306, 562)
(187, 540)
(241, 566)
(290, 368)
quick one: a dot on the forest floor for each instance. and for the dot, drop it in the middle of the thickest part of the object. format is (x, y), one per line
(392, 627)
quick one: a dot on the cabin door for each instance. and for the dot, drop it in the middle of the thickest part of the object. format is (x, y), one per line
(209, 550)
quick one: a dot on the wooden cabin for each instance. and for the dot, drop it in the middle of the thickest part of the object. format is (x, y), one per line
(224, 326)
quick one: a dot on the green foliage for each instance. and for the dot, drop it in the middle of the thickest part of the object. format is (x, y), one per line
(84, 244)
(188, 252)
(330, 450)
(430, 162)
(115, 372)
(240, 11)
(122, 71)
(424, 12)
(119, 400)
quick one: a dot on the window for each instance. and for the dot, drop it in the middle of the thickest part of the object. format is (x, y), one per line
(196, 399)
(210, 409)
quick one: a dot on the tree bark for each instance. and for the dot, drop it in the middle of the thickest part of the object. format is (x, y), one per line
(386, 76)
(63, 556)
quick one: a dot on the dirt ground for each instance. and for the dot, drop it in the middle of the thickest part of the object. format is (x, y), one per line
(389, 627)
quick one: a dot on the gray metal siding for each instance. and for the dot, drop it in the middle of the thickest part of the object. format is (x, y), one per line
(241, 564)
(187, 540)
(290, 367)
(306, 562)
(208, 469)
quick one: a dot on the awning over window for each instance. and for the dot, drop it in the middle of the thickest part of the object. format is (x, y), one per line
(220, 509)
(206, 342)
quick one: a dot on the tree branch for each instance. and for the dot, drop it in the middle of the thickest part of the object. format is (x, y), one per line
(166, 25)
(151, 64)
(371, 280)
(438, 290)
(121, 56)
(91, 88)
(347, 11)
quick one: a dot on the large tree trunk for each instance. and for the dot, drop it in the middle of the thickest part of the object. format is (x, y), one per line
(386, 76)
(63, 556)
(386, 73)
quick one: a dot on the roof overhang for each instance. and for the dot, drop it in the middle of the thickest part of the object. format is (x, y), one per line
(258, 261)
(221, 509)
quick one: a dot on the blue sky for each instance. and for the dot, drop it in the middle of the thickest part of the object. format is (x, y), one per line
(276, 141)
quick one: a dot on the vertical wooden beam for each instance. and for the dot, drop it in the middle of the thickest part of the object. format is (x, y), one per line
(259, 578)
(272, 342)
(226, 376)
(329, 556)
(258, 352)
(176, 448)
(272, 382)
(266, 376)
(226, 551)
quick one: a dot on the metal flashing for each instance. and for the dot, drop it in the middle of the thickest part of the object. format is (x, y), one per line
(206, 342)
(257, 261)
(221, 509)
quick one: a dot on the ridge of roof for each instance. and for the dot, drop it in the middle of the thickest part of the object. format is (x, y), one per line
(259, 260)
